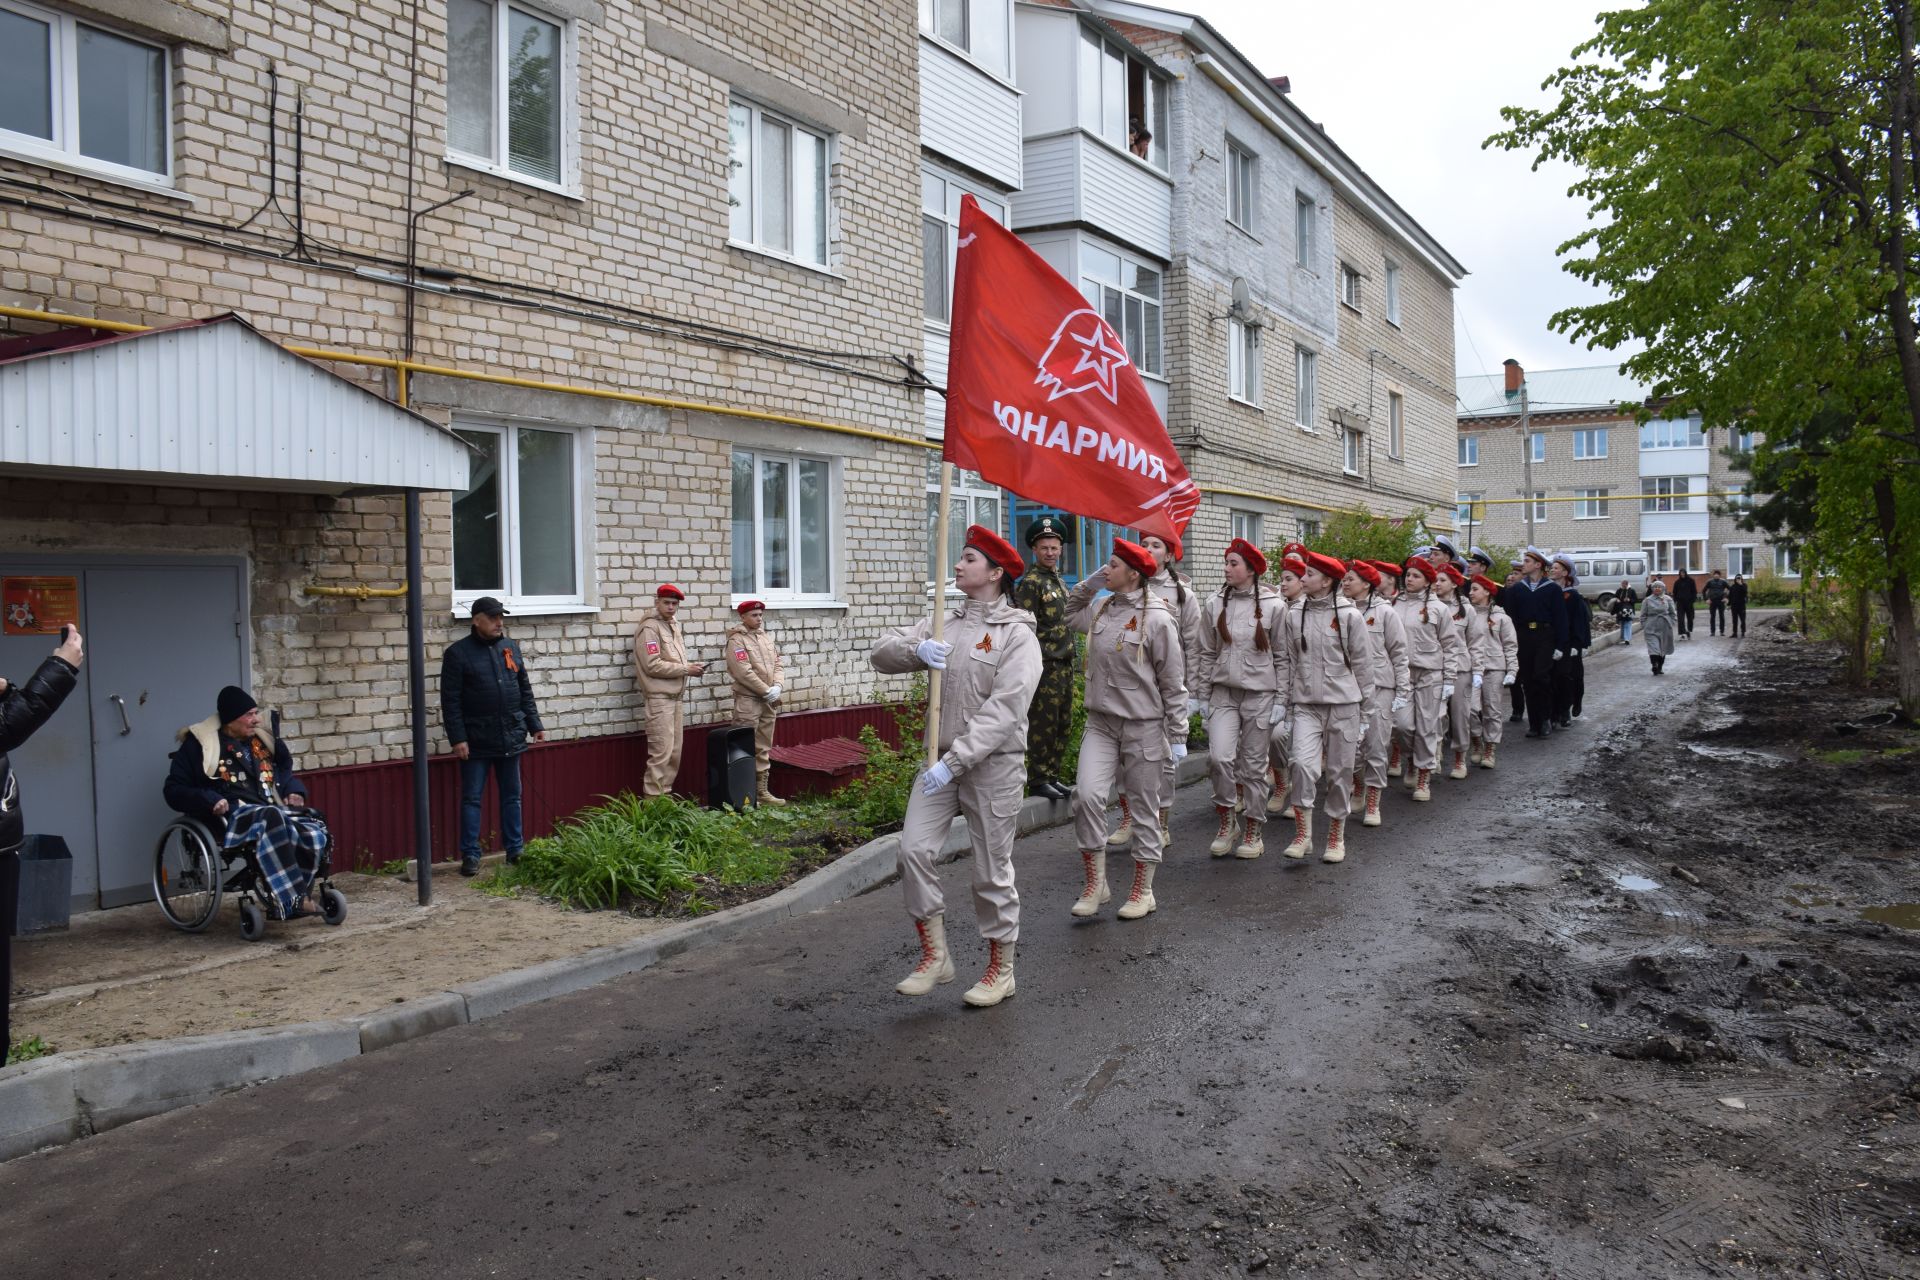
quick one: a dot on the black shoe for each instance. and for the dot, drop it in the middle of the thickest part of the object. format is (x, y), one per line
(1051, 790)
(1564, 722)
(513, 857)
(1515, 719)
(1536, 733)
(469, 866)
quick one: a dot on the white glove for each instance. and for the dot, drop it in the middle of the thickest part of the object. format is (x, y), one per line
(1277, 716)
(1179, 752)
(1558, 654)
(1399, 703)
(773, 694)
(1446, 691)
(936, 777)
(1193, 707)
(934, 654)
(1478, 680)
(1576, 652)
(1507, 679)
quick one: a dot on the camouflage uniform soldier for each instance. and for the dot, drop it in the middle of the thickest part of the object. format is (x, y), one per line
(1042, 593)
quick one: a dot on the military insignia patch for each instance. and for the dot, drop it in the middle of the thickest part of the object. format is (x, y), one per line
(653, 646)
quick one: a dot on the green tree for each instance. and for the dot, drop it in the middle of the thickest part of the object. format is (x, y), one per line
(1360, 533)
(1749, 167)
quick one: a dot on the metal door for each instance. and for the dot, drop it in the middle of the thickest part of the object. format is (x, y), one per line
(161, 643)
(56, 765)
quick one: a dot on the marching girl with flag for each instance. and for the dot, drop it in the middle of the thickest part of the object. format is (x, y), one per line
(1136, 731)
(1392, 687)
(1496, 663)
(1291, 569)
(991, 660)
(1326, 673)
(1236, 683)
(1451, 588)
(1176, 592)
(1433, 666)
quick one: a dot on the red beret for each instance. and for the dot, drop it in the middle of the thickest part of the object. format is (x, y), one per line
(1294, 549)
(1389, 567)
(1137, 556)
(746, 607)
(1486, 584)
(1256, 561)
(1333, 568)
(996, 548)
(1294, 565)
(1367, 573)
(1453, 571)
(670, 592)
(1424, 566)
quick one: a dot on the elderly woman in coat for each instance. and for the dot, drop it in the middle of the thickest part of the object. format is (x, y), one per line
(1659, 623)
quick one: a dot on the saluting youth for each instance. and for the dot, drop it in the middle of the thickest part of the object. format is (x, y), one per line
(991, 661)
(1136, 702)
(1236, 684)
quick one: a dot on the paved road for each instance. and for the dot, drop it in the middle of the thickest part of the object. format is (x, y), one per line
(772, 1109)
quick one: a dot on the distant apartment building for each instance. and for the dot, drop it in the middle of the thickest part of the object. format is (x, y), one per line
(1585, 473)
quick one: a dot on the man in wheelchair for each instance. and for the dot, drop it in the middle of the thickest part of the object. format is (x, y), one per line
(235, 776)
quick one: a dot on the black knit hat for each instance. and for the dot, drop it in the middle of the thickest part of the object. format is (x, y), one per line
(234, 703)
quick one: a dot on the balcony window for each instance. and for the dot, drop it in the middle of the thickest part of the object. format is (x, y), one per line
(1121, 100)
(1126, 293)
(940, 196)
(977, 27)
(1672, 433)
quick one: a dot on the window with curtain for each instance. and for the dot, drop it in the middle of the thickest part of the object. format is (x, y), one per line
(785, 526)
(971, 501)
(510, 89)
(777, 185)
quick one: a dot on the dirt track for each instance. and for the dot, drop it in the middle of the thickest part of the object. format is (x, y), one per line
(1467, 1051)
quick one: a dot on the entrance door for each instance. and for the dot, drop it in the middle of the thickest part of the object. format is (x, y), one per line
(162, 642)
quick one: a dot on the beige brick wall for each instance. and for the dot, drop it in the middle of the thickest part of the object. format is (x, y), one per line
(1501, 474)
(646, 237)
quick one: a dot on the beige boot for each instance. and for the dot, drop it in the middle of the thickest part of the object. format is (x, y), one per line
(1371, 818)
(1094, 891)
(1223, 839)
(1336, 849)
(1140, 898)
(1393, 759)
(1302, 834)
(1486, 757)
(1423, 785)
(1251, 844)
(996, 984)
(1474, 749)
(766, 796)
(935, 966)
(1459, 769)
(1276, 792)
(1124, 832)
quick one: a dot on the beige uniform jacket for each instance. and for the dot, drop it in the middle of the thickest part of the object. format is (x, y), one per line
(989, 681)
(754, 663)
(660, 657)
(1497, 647)
(1240, 664)
(1325, 656)
(1431, 635)
(1467, 631)
(1389, 637)
(1135, 669)
(1188, 615)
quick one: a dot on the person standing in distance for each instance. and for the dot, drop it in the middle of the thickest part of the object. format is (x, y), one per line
(754, 663)
(991, 661)
(661, 666)
(1136, 718)
(1685, 594)
(1737, 601)
(1659, 626)
(1716, 594)
(487, 706)
(1041, 593)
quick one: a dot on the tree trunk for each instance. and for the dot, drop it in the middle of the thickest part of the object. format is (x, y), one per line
(1906, 642)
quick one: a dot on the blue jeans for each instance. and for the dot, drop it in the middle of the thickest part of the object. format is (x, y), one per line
(473, 787)
(1626, 629)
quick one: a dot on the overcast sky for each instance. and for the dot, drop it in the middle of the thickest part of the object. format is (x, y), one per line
(1409, 89)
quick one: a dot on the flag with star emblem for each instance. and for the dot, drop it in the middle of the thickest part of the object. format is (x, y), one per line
(1042, 396)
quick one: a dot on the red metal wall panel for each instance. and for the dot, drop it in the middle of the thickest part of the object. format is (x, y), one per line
(370, 806)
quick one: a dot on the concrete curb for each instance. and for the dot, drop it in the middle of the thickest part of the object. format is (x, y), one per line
(58, 1099)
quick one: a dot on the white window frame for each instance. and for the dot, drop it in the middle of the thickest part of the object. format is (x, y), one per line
(1306, 219)
(1752, 560)
(1659, 498)
(1150, 363)
(1469, 450)
(508, 592)
(1396, 425)
(1660, 557)
(1584, 441)
(1468, 507)
(1153, 112)
(756, 205)
(63, 149)
(1591, 504)
(1535, 444)
(1306, 387)
(953, 189)
(569, 183)
(1672, 433)
(1243, 363)
(1746, 441)
(930, 14)
(1738, 499)
(1349, 286)
(1539, 506)
(1308, 528)
(790, 596)
(969, 491)
(1243, 187)
(1786, 560)
(1352, 449)
(1244, 524)
(1393, 292)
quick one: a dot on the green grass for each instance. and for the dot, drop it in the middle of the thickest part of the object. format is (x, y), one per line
(27, 1050)
(1854, 755)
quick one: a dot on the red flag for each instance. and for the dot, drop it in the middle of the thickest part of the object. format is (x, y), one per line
(1042, 398)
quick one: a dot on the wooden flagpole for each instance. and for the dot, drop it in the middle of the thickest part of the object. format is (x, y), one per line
(941, 570)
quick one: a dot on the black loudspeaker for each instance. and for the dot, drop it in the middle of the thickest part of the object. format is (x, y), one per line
(730, 778)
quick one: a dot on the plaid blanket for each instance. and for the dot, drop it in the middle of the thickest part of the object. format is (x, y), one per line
(287, 844)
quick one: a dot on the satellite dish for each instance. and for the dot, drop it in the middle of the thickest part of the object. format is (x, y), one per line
(1242, 297)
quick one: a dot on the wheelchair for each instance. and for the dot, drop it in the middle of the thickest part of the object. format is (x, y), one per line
(193, 868)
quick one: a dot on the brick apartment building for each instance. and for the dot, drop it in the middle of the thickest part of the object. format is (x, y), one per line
(1600, 478)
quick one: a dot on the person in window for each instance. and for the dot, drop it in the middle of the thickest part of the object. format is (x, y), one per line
(1136, 718)
(1737, 601)
(234, 775)
(1042, 594)
(991, 661)
(1660, 624)
(1685, 593)
(754, 663)
(1175, 589)
(488, 709)
(1716, 594)
(1238, 678)
(661, 667)
(1138, 139)
(1624, 601)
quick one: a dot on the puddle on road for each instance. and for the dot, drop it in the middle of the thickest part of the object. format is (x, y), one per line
(1636, 884)
(1736, 755)
(1901, 915)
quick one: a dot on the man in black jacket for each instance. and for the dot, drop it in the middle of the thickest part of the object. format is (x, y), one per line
(1737, 599)
(1685, 593)
(1716, 593)
(23, 709)
(486, 703)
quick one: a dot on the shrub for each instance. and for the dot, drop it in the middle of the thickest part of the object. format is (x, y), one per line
(27, 1050)
(1767, 589)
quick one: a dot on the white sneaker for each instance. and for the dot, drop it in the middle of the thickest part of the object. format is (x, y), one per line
(935, 966)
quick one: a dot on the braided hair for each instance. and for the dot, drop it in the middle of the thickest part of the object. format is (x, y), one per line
(1259, 620)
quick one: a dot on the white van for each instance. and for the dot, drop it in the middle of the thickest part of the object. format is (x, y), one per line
(1601, 569)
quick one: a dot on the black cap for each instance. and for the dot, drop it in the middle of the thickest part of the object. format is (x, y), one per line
(233, 703)
(489, 606)
(1046, 527)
